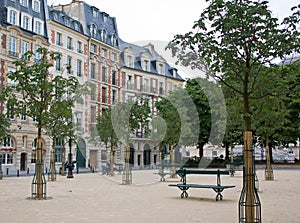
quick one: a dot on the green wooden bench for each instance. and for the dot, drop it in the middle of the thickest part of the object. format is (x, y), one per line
(218, 188)
(232, 166)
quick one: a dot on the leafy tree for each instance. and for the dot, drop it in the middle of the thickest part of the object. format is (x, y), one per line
(4, 131)
(127, 118)
(107, 135)
(234, 39)
(35, 94)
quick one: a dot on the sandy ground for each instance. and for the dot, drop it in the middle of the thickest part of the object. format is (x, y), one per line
(96, 198)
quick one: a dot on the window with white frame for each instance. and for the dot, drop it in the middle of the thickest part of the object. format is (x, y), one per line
(58, 149)
(114, 97)
(130, 61)
(103, 35)
(103, 52)
(13, 46)
(10, 112)
(161, 68)
(93, 30)
(58, 64)
(26, 22)
(36, 5)
(114, 41)
(37, 54)
(24, 142)
(69, 64)
(69, 43)
(114, 57)
(146, 65)
(104, 74)
(59, 39)
(79, 121)
(79, 47)
(114, 77)
(13, 17)
(93, 48)
(24, 49)
(24, 3)
(7, 158)
(79, 68)
(93, 70)
(38, 27)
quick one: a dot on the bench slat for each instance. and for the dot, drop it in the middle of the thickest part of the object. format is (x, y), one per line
(201, 186)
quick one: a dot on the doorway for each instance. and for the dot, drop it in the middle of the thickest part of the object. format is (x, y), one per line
(23, 161)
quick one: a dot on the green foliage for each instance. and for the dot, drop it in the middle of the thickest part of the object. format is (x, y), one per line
(39, 95)
(233, 41)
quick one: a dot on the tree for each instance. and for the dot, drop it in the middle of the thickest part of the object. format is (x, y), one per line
(234, 39)
(127, 118)
(4, 131)
(179, 113)
(107, 135)
(35, 94)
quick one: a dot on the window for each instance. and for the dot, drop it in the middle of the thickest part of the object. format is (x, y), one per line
(93, 114)
(103, 52)
(69, 43)
(93, 30)
(7, 142)
(114, 41)
(130, 61)
(38, 27)
(114, 57)
(7, 158)
(37, 54)
(104, 74)
(161, 88)
(24, 3)
(23, 114)
(24, 142)
(103, 35)
(24, 49)
(93, 94)
(13, 17)
(161, 69)
(69, 64)
(79, 47)
(13, 47)
(33, 157)
(104, 98)
(146, 65)
(93, 48)
(93, 70)
(79, 68)
(79, 121)
(95, 12)
(36, 5)
(26, 23)
(113, 78)
(114, 97)
(58, 150)
(59, 39)
(58, 64)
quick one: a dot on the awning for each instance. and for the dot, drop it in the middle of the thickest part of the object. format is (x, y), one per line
(10, 149)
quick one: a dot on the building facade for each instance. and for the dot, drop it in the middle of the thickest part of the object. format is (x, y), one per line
(92, 51)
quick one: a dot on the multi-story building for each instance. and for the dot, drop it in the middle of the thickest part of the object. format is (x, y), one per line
(22, 28)
(92, 51)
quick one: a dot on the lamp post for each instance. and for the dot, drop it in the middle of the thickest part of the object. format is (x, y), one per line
(70, 164)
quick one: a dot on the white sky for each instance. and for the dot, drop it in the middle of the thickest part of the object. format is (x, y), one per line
(157, 21)
(161, 19)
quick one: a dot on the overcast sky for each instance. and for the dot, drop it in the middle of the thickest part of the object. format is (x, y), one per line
(161, 19)
(157, 21)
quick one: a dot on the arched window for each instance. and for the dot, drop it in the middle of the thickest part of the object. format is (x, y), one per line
(103, 34)
(93, 30)
(114, 41)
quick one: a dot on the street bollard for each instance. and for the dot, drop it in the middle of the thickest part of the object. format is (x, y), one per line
(28, 170)
(7, 171)
(18, 173)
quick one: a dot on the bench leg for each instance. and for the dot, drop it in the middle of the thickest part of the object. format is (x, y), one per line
(219, 196)
(184, 194)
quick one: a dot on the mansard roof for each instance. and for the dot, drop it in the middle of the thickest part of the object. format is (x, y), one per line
(154, 57)
(65, 20)
(41, 15)
(103, 23)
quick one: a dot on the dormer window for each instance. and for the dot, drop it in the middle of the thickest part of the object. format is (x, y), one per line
(105, 17)
(130, 62)
(13, 17)
(93, 30)
(26, 22)
(24, 3)
(95, 12)
(146, 65)
(103, 35)
(161, 68)
(36, 5)
(114, 41)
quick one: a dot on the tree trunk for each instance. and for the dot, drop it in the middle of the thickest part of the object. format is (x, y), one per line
(269, 174)
(39, 167)
(52, 162)
(111, 161)
(127, 167)
(173, 175)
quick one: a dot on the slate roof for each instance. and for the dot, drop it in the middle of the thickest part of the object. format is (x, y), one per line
(138, 50)
(16, 4)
